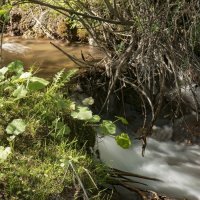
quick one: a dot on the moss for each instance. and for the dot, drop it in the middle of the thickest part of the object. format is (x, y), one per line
(39, 171)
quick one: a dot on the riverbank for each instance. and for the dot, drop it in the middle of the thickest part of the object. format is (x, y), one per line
(36, 22)
(150, 72)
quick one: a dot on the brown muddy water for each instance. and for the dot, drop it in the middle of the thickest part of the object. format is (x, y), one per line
(43, 56)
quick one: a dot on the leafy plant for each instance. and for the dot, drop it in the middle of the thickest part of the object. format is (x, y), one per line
(107, 127)
(35, 119)
(4, 153)
(123, 140)
(16, 127)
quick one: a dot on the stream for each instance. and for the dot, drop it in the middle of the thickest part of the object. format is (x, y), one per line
(176, 165)
(40, 54)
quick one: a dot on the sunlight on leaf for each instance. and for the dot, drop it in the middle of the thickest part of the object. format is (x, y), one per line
(26, 75)
(4, 153)
(72, 105)
(11, 138)
(107, 127)
(37, 83)
(16, 127)
(95, 119)
(123, 140)
(88, 101)
(83, 113)
(20, 92)
(3, 70)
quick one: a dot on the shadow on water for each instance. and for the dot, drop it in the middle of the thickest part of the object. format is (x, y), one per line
(41, 54)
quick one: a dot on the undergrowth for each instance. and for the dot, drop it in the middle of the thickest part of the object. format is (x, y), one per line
(40, 152)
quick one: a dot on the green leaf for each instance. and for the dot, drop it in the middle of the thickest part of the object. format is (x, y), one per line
(20, 92)
(16, 127)
(122, 119)
(83, 113)
(3, 70)
(95, 119)
(88, 101)
(4, 153)
(37, 83)
(107, 127)
(3, 12)
(16, 66)
(1, 77)
(25, 75)
(123, 140)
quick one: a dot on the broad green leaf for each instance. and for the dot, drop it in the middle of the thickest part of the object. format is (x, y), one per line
(25, 75)
(88, 101)
(122, 119)
(11, 138)
(20, 92)
(123, 140)
(4, 153)
(83, 113)
(1, 77)
(72, 106)
(107, 127)
(16, 127)
(3, 70)
(37, 83)
(95, 119)
(16, 66)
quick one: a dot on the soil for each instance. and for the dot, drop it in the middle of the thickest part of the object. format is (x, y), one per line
(41, 22)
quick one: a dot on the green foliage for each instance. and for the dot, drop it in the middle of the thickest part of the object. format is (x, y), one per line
(16, 127)
(42, 170)
(107, 127)
(82, 113)
(88, 101)
(20, 92)
(35, 119)
(36, 83)
(4, 12)
(122, 119)
(4, 153)
(123, 140)
(16, 67)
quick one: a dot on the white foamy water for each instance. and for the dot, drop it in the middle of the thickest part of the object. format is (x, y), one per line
(178, 166)
(15, 48)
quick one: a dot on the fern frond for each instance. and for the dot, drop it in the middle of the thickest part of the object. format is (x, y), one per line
(57, 78)
(61, 78)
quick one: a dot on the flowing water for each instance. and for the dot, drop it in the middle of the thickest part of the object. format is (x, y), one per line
(177, 165)
(41, 54)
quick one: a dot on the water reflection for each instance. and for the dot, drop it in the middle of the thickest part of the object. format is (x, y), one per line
(41, 54)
